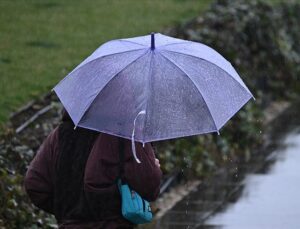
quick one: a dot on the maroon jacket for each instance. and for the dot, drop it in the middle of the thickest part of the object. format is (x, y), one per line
(101, 168)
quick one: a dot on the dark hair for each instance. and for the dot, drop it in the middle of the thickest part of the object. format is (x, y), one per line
(74, 148)
(65, 117)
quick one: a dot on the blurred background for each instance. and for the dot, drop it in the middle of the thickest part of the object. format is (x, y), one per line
(41, 41)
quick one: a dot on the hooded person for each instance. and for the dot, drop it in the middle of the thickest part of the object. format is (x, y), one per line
(74, 174)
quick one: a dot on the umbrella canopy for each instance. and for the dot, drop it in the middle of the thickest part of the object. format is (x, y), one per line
(152, 88)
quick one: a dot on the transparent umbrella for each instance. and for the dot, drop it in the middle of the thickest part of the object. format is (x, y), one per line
(152, 88)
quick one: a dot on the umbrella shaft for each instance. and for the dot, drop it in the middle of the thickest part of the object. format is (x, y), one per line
(152, 41)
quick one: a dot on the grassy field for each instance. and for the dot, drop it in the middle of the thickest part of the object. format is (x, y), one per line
(41, 41)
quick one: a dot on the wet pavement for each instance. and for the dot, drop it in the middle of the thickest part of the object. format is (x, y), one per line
(260, 194)
(268, 200)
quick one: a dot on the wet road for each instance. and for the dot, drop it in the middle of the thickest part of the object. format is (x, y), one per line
(266, 198)
(269, 201)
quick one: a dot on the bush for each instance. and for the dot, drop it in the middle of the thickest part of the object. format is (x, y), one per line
(16, 210)
(260, 40)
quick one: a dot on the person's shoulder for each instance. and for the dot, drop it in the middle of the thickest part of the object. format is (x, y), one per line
(104, 139)
(51, 144)
(53, 135)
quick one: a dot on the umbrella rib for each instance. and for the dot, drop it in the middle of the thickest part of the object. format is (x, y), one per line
(176, 43)
(124, 40)
(100, 57)
(195, 86)
(182, 42)
(89, 105)
(148, 92)
(212, 64)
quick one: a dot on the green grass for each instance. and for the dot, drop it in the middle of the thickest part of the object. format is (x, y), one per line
(41, 41)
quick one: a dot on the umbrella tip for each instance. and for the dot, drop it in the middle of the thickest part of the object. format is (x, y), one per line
(152, 41)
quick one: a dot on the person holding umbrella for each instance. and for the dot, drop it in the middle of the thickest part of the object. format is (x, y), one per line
(73, 176)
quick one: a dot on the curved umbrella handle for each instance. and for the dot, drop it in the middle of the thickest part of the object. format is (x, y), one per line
(132, 136)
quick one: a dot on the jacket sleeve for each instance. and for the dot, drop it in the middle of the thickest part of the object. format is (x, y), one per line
(144, 177)
(38, 181)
